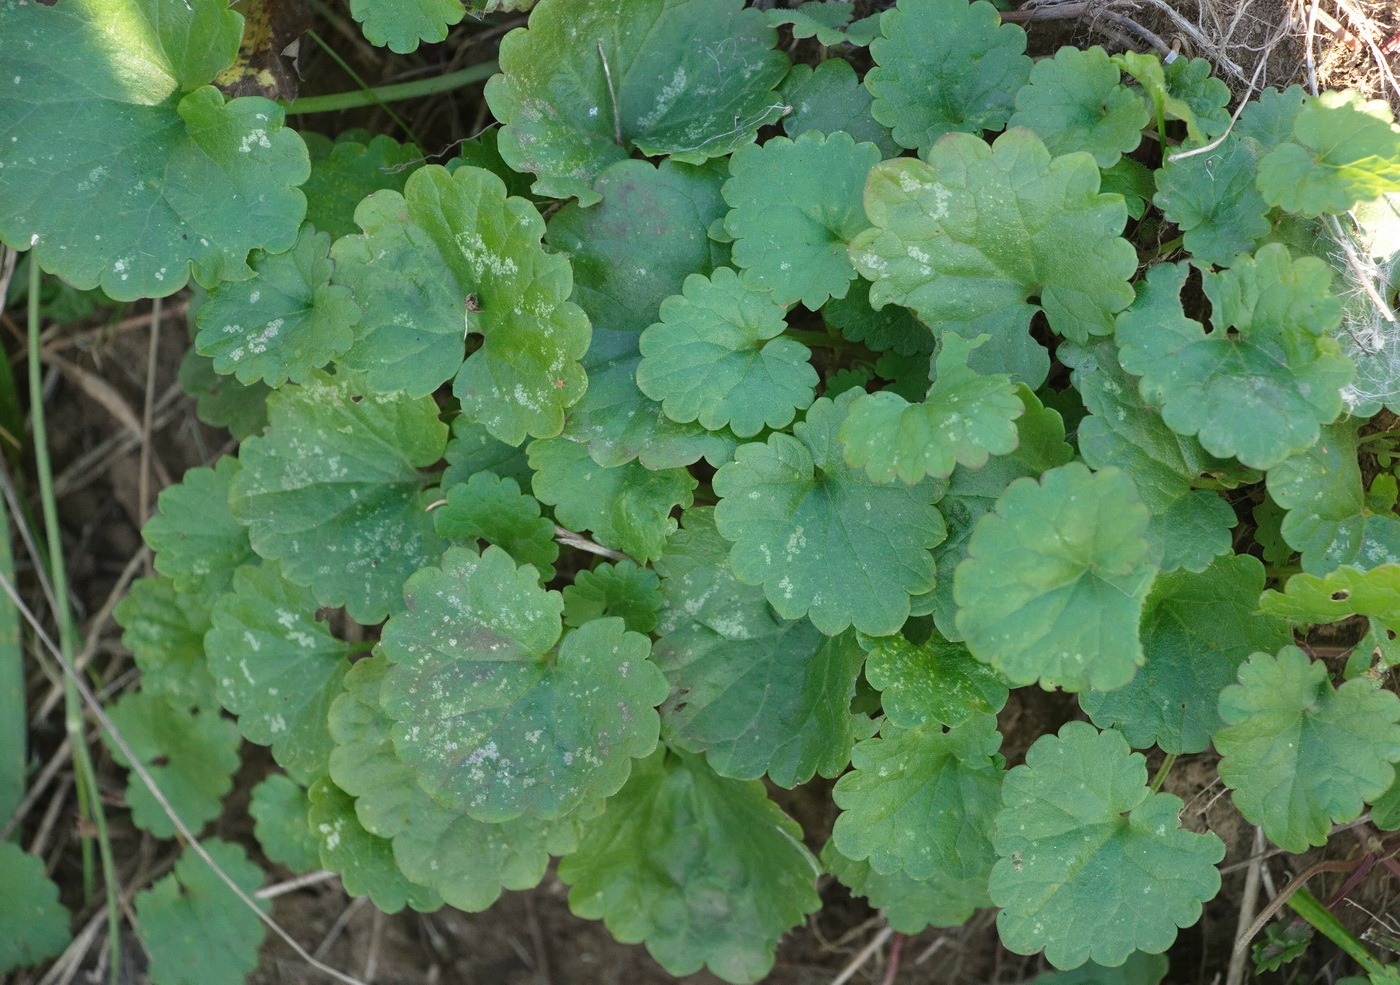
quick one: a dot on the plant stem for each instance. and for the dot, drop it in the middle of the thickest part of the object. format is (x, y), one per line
(1307, 906)
(13, 720)
(380, 95)
(375, 100)
(1162, 772)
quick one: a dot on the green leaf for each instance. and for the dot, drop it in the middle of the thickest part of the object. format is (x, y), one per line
(197, 541)
(822, 539)
(279, 808)
(1269, 119)
(1385, 809)
(1075, 102)
(1328, 520)
(826, 21)
(402, 24)
(967, 238)
(965, 418)
(346, 171)
(1131, 180)
(1346, 591)
(909, 905)
(776, 702)
(164, 630)
(452, 257)
(491, 509)
(892, 328)
(122, 166)
(1093, 865)
(1300, 754)
(496, 722)
(283, 323)
(921, 800)
(627, 507)
(934, 682)
(1196, 631)
(796, 204)
(716, 357)
(1344, 150)
(1212, 199)
(196, 931)
(191, 755)
(590, 81)
(830, 98)
(703, 870)
(620, 589)
(36, 924)
(1055, 579)
(471, 449)
(277, 667)
(1260, 392)
(364, 861)
(222, 401)
(1141, 968)
(699, 587)
(334, 490)
(1182, 91)
(944, 65)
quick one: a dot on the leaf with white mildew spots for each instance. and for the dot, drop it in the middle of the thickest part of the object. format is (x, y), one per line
(499, 722)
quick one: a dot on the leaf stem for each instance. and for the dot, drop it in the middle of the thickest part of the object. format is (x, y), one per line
(1162, 772)
(379, 95)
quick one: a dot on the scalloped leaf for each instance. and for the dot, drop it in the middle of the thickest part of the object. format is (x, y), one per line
(965, 418)
(892, 328)
(961, 52)
(495, 720)
(1300, 754)
(830, 98)
(1343, 150)
(334, 490)
(164, 630)
(122, 166)
(1212, 199)
(1075, 101)
(221, 401)
(403, 24)
(197, 541)
(277, 667)
(704, 870)
(931, 682)
(716, 357)
(825, 21)
(346, 170)
(1346, 591)
(1260, 392)
(1053, 586)
(471, 449)
(968, 237)
(909, 904)
(590, 81)
(1093, 865)
(624, 590)
(279, 809)
(699, 587)
(283, 323)
(822, 539)
(491, 509)
(1197, 629)
(35, 922)
(796, 205)
(627, 507)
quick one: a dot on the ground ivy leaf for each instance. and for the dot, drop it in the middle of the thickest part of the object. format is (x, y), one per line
(826, 21)
(200, 932)
(1269, 118)
(221, 401)
(921, 800)
(1328, 519)
(1312, 600)
(1212, 199)
(796, 204)
(283, 323)
(775, 703)
(35, 922)
(627, 507)
(1053, 586)
(365, 862)
(276, 667)
(965, 418)
(191, 755)
(491, 509)
(1344, 149)
(1140, 968)
(909, 904)
(588, 81)
(334, 490)
(1300, 754)
(1258, 393)
(471, 449)
(703, 870)
(699, 587)
(279, 808)
(716, 357)
(122, 166)
(345, 171)
(967, 238)
(891, 328)
(494, 724)
(1133, 181)
(197, 541)
(621, 589)
(403, 24)
(482, 151)
(1075, 101)
(451, 257)
(1385, 809)
(1182, 90)
(822, 539)
(934, 682)
(1093, 865)
(1196, 631)
(944, 65)
(164, 630)
(830, 98)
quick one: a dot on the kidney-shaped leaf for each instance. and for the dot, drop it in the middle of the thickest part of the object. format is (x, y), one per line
(1344, 150)
(933, 681)
(1076, 101)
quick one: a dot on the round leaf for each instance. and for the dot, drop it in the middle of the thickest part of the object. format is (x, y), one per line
(932, 682)
(1075, 102)
(620, 589)
(197, 541)
(487, 507)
